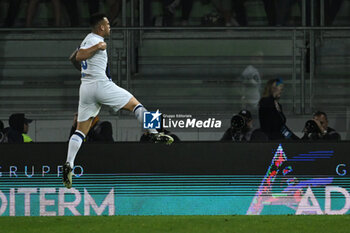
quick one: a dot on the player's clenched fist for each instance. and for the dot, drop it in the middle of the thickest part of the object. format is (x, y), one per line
(102, 45)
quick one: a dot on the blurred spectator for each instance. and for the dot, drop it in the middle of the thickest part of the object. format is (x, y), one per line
(147, 13)
(212, 19)
(73, 13)
(283, 9)
(317, 128)
(99, 131)
(227, 7)
(32, 8)
(14, 8)
(186, 8)
(12, 13)
(272, 119)
(241, 129)
(114, 9)
(19, 127)
(251, 82)
(270, 9)
(94, 6)
(113, 6)
(332, 8)
(169, 8)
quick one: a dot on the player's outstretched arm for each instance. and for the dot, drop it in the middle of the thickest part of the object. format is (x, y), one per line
(84, 54)
(73, 59)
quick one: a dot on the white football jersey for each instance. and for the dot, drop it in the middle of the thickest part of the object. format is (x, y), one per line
(94, 68)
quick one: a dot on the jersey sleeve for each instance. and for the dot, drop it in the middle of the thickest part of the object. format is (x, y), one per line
(89, 43)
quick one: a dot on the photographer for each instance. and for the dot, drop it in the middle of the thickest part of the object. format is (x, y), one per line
(100, 131)
(241, 127)
(317, 128)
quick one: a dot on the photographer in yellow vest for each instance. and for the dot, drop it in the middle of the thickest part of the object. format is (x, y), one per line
(19, 127)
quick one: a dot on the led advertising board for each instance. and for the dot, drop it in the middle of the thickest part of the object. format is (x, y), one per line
(205, 178)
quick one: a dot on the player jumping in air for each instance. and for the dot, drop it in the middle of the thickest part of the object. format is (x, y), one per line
(96, 89)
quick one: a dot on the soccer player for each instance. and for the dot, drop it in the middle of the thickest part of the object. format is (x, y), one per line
(96, 89)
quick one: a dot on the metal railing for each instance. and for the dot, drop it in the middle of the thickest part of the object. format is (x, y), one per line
(133, 37)
(306, 51)
(125, 58)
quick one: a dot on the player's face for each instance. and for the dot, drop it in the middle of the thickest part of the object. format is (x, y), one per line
(106, 28)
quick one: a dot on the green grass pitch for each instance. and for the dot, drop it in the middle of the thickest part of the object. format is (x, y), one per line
(177, 224)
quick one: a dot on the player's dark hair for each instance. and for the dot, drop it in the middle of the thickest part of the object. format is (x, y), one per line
(320, 113)
(96, 18)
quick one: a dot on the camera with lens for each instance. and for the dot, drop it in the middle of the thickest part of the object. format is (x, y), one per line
(241, 126)
(238, 123)
(311, 127)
